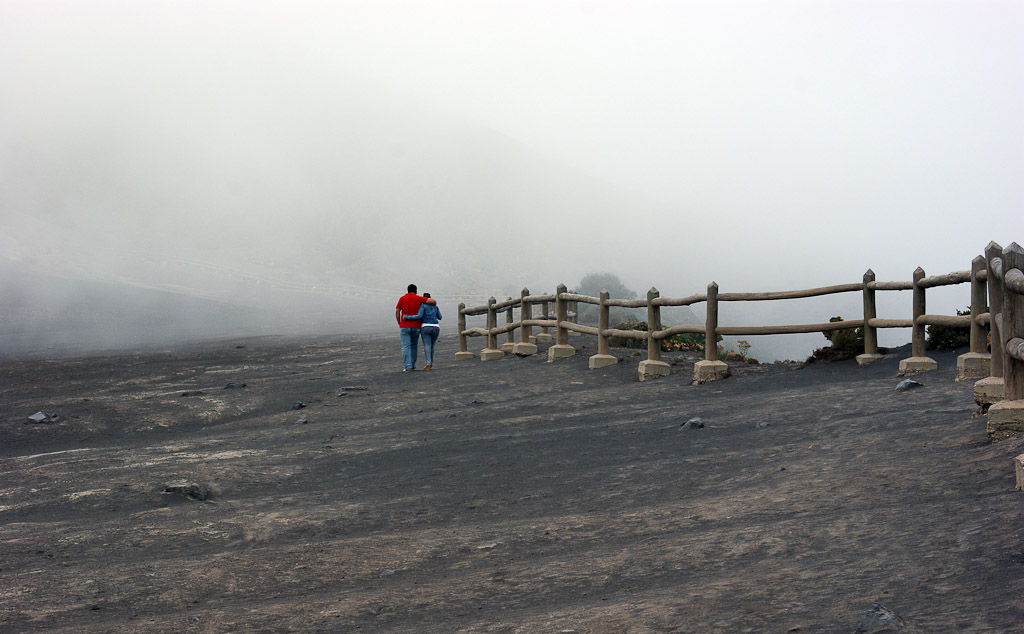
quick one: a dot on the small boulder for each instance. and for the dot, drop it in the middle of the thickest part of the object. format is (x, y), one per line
(42, 417)
(693, 423)
(298, 405)
(191, 490)
(908, 384)
(879, 619)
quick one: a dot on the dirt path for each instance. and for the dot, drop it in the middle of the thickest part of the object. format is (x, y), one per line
(511, 496)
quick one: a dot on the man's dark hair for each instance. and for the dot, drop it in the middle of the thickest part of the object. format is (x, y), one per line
(412, 288)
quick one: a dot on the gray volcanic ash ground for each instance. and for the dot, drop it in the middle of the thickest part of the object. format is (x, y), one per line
(508, 496)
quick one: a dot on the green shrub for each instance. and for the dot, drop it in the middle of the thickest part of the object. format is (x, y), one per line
(692, 342)
(845, 338)
(948, 338)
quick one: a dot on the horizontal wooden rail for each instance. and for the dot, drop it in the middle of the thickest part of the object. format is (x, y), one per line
(810, 292)
(791, 329)
(956, 277)
(890, 286)
(543, 323)
(891, 323)
(639, 335)
(984, 319)
(681, 301)
(948, 321)
(539, 299)
(696, 329)
(1015, 348)
(574, 297)
(983, 275)
(997, 268)
(628, 303)
(587, 330)
(515, 301)
(475, 310)
(1014, 280)
(475, 332)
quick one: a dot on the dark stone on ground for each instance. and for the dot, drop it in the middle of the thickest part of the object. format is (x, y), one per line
(908, 384)
(879, 619)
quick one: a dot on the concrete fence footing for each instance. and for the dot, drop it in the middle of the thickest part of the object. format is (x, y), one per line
(489, 354)
(602, 361)
(865, 359)
(560, 351)
(989, 390)
(973, 365)
(652, 370)
(463, 356)
(1005, 420)
(707, 371)
(524, 349)
(917, 365)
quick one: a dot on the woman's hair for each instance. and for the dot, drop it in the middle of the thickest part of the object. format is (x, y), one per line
(426, 294)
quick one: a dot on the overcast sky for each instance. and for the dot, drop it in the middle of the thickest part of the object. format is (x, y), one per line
(819, 137)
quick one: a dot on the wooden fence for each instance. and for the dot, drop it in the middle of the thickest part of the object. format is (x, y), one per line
(995, 278)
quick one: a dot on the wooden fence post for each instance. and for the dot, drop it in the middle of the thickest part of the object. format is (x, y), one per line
(1013, 325)
(561, 349)
(544, 336)
(491, 350)
(976, 363)
(995, 297)
(918, 361)
(603, 358)
(525, 347)
(991, 389)
(653, 367)
(463, 352)
(510, 341)
(1006, 418)
(710, 369)
(870, 333)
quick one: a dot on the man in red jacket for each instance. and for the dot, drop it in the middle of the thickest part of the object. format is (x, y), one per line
(409, 304)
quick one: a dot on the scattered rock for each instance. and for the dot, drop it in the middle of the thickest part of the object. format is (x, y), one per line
(487, 546)
(191, 490)
(298, 405)
(693, 423)
(387, 572)
(42, 417)
(301, 421)
(762, 424)
(879, 619)
(355, 389)
(234, 386)
(476, 402)
(908, 384)
(193, 393)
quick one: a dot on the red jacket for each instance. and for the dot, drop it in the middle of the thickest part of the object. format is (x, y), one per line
(409, 304)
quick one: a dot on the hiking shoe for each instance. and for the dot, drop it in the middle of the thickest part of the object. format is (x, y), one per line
(427, 367)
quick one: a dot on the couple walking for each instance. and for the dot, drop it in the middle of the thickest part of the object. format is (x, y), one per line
(417, 315)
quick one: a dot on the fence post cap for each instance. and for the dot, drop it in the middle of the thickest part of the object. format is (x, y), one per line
(653, 292)
(1013, 248)
(993, 248)
(713, 285)
(525, 291)
(869, 273)
(918, 272)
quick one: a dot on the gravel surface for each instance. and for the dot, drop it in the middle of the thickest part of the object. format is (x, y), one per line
(187, 491)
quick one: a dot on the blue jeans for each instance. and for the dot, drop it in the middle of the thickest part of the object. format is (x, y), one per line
(410, 342)
(429, 337)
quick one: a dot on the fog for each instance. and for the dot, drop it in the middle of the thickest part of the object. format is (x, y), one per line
(180, 170)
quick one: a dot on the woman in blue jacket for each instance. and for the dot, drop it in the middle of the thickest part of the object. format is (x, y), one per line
(429, 318)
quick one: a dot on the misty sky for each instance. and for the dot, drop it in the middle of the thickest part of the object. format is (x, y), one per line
(763, 144)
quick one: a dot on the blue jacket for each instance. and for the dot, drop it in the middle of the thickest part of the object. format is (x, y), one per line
(429, 314)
